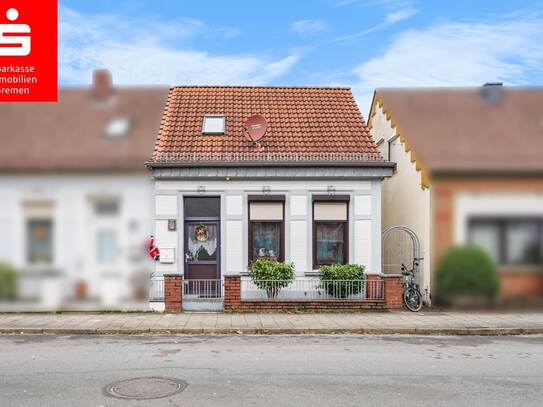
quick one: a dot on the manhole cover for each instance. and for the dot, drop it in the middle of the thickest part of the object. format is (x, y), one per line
(145, 388)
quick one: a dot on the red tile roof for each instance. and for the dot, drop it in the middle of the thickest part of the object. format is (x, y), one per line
(304, 124)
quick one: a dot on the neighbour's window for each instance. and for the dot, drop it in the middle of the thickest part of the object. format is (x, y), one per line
(509, 241)
(117, 128)
(390, 144)
(266, 230)
(330, 232)
(40, 241)
(39, 232)
(107, 207)
(107, 250)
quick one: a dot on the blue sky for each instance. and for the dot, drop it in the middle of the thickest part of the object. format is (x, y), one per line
(356, 43)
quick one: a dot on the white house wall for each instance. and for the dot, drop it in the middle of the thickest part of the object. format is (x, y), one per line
(364, 215)
(71, 197)
(404, 201)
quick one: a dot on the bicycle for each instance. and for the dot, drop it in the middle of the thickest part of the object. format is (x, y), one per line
(412, 297)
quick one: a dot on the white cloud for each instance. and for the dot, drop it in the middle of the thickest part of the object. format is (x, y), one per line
(455, 54)
(155, 52)
(308, 27)
(390, 19)
(399, 15)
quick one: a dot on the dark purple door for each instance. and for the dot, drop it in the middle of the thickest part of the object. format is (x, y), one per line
(202, 258)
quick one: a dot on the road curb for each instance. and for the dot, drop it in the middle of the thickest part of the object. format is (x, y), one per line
(426, 331)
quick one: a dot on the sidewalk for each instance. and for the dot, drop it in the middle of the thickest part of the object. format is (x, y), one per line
(400, 322)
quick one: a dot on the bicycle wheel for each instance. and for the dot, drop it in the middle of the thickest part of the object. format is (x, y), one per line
(412, 299)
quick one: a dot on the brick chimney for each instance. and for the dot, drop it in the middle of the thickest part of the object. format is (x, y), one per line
(102, 84)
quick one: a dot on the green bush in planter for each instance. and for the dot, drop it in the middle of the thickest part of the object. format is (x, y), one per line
(8, 282)
(342, 280)
(271, 275)
(466, 273)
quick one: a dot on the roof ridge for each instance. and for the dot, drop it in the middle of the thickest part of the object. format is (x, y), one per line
(261, 87)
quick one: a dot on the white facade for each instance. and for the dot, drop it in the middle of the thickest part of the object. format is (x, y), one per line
(99, 224)
(406, 202)
(500, 205)
(364, 220)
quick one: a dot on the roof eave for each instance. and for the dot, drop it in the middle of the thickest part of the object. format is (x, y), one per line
(183, 164)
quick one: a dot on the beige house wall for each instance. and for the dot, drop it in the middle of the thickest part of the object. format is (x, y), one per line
(404, 200)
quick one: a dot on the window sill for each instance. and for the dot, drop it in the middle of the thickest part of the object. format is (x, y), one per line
(519, 269)
(313, 273)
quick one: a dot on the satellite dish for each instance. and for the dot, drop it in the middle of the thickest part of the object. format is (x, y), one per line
(256, 127)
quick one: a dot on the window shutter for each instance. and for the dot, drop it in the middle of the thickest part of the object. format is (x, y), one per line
(262, 211)
(330, 211)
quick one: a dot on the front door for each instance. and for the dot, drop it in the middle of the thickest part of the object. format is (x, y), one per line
(202, 275)
(202, 246)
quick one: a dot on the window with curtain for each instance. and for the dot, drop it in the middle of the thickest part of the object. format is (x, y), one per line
(266, 230)
(509, 241)
(330, 232)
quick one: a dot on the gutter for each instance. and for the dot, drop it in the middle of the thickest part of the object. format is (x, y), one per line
(192, 164)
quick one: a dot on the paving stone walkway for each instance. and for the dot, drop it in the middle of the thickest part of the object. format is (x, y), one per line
(426, 323)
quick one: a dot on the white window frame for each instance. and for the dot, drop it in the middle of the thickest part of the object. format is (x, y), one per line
(214, 116)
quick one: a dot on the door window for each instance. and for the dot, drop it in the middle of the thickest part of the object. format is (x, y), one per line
(202, 242)
(202, 207)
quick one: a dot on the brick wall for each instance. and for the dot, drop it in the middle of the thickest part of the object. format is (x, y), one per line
(232, 292)
(233, 302)
(515, 282)
(393, 291)
(173, 292)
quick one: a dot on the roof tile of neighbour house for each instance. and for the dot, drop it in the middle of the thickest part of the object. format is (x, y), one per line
(485, 129)
(70, 135)
(304, 124)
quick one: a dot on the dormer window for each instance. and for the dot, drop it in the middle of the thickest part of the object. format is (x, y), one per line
(214, 124)
(117, 128)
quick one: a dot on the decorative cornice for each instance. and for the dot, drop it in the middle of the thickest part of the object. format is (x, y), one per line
(272, 172)
(419, 165)
(265, 157)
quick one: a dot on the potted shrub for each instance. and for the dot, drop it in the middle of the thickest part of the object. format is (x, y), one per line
(339, 280)
(466, 276)
(8, 282)
(271, 275)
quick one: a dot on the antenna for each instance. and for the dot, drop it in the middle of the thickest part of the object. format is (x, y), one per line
(255, 127)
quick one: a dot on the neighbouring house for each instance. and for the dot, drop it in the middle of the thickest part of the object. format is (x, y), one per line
(75, 197)
(307, 192)
(469, 169)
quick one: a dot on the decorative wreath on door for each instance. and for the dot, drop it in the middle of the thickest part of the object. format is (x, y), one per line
(201, 233)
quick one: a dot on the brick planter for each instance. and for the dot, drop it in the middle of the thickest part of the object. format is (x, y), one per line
(173, 292)
(393, 289)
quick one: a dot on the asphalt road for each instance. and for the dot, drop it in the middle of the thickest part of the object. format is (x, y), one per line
(275, 370)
